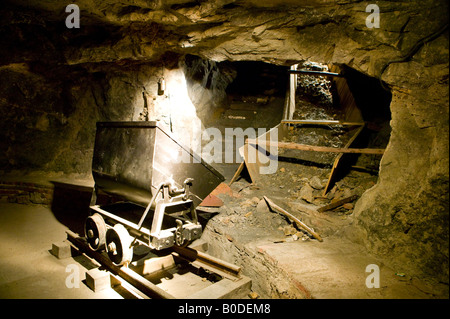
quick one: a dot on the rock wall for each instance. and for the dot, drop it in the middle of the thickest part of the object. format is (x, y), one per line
(49, 115)
(57, 82)
(406, 214)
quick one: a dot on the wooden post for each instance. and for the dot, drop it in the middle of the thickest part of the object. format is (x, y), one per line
(292, 89)
(338, 159)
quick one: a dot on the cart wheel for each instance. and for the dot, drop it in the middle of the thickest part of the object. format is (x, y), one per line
(118, 243)
(95, 231)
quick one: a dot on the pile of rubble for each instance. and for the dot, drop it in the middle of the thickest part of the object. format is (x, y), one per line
(298, 190)
(316, 88)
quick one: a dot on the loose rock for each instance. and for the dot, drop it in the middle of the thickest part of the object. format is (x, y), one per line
(316, 183)
(262, 207)
(306, 193)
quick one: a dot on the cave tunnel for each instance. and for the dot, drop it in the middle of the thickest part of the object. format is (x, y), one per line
(223, 149)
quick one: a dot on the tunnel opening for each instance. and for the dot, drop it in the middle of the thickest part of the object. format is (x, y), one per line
(232, 97)
(257, 79)
(244, 93)
(334, 107)
(304, 181)
(257, 95)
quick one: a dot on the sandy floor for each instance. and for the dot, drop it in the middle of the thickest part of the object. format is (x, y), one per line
(329, 269)
(27, 268)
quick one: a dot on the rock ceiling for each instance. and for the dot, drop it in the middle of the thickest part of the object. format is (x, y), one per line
(280, 32)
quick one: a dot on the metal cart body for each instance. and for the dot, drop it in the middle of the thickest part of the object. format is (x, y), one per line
(143, 164)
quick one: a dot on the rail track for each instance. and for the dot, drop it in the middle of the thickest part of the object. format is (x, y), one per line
(175, 273)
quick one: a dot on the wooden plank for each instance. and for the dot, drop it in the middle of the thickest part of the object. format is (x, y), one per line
(338, 159)
(299, 223)
(259, 159)
(251, 163)
(337, 203)
(145, 267)
(347, 101)
(238, 173)
(322, 122)
(313, 148)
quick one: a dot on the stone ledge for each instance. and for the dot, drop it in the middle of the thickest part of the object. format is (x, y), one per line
(25, 193)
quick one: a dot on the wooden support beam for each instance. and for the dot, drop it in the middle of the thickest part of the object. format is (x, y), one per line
(313, 148)
(321, 122)
(297, 221)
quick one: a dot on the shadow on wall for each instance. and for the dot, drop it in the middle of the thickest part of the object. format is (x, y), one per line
(207, 82)
(70, 204)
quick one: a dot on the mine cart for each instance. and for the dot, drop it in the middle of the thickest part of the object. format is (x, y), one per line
(159, 181)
